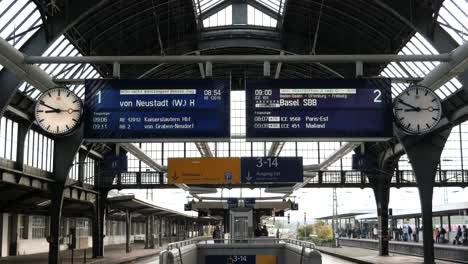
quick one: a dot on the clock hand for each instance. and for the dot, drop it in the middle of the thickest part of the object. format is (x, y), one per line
(48, 106)
(60, 110)
(417, 109)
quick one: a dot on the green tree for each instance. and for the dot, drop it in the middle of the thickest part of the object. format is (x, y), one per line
(309, 229)
(323, 230)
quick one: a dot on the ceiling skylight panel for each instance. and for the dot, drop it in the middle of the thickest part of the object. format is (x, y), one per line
(221, 18)
(258, 18)
(19, 23)
(453, 18)
(204, 5)
(18, 17)
(399, 71)
(20, 40)
(12, 11)
(275, 5)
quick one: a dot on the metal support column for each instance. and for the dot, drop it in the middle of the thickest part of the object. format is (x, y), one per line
(151, 242)
(128, 229)
(424, 158)
(81, 166)
(23, 128)
(147, 231)
(381, 187)
(98, 224)
(65, 149)
(160, 231)
(239, 12)
(55, 217)
(170, 228)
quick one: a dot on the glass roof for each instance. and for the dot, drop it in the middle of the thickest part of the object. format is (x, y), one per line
(453, 17)
(63, 47)
(203, 5)
(258, 18)
(222, 18)
(417, 45)
(20, 20)
(254, 17)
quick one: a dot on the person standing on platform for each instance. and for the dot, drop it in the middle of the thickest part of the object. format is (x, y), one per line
(465, 236)
(405, 233)
(437, 235)
(217, 234)
(264, 231)
(458, 236)
(375, 233)
(442, 235)
(410, 233)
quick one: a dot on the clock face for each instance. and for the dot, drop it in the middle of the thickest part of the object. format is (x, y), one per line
(58, 111)
(417, 110)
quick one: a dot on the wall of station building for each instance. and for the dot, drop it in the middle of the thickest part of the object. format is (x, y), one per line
(31, 233)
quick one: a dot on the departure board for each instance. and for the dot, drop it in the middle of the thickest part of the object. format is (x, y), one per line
(156, 110)
(331, 110)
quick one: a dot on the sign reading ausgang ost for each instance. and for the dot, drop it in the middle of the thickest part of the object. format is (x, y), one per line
(345, 110)
(154, 110)
(272, 169)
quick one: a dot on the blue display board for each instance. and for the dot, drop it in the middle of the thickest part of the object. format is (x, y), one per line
(364, 162)
(249, 202)
(271, 169)
(155, 110)
(232, 202)
(345, 110)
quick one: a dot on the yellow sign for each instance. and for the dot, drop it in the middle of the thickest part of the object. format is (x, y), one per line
(203, 170)
(265, 259)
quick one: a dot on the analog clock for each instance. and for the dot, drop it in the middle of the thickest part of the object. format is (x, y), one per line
(58, 111)
(417, 110)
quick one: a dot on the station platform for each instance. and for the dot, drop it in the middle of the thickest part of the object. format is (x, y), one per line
(114, 254)
(368, 256)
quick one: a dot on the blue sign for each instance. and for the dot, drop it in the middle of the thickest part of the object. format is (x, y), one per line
(227, 176)
(142, 110)
(113, 164)
(232, 202)
(363, 162)
(249, 202)
(345, 110)
(271, 169)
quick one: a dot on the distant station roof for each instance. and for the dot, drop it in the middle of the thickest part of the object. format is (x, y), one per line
(119, 205)
(437, 210)
(349, 214)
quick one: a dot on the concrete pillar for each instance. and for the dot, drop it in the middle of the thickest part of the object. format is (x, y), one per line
(128, 229)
